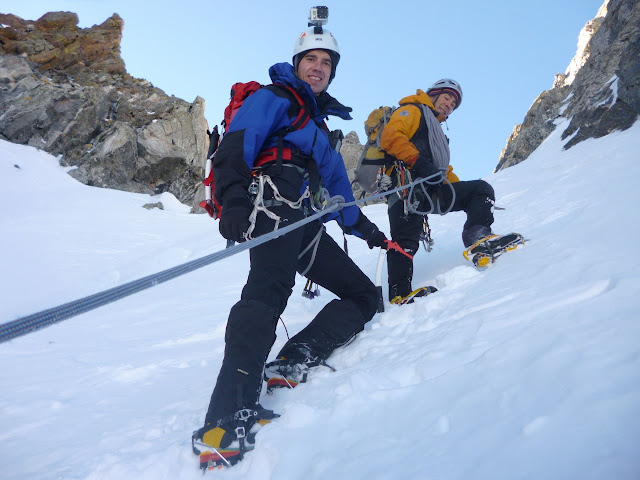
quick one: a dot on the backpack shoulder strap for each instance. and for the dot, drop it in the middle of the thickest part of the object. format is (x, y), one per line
(299, 116)
(302, 115)
(386, 116)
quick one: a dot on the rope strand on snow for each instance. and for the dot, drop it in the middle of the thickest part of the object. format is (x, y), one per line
(36, 321)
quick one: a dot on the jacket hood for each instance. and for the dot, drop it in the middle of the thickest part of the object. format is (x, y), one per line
(422, 98)
(323, 105)
(419, 97)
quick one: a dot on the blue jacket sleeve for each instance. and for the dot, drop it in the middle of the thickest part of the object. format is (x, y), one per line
(336, 181)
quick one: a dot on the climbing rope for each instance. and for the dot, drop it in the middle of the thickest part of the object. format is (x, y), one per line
(36, 321)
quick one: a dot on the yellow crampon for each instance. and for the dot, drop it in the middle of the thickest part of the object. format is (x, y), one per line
(419, 292)
(484, 252)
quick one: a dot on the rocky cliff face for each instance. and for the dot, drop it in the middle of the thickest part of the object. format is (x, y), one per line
(599, 92)
(351, 150)
(65, 90)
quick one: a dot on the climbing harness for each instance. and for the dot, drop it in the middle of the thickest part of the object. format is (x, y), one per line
(259, 205)
(414, 193)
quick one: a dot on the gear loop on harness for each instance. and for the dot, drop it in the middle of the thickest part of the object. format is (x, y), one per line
(259, 204)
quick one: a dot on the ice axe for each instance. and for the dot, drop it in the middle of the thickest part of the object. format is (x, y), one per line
(389, 245)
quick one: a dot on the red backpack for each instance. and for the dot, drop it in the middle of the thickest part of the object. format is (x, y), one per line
(239, 93)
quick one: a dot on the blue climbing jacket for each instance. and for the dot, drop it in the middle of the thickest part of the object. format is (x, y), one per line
(253, 130)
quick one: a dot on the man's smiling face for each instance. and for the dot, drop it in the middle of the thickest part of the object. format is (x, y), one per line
(315, 69)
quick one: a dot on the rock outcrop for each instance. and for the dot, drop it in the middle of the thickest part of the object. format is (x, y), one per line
(65, 90)
(599, 92)
(351, 150)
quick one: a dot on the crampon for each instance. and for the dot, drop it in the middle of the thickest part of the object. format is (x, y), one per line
(485, 251)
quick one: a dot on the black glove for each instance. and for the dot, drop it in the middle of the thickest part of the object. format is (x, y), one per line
(234, 220)
(423, 168)
(376, 239)
(369, 232)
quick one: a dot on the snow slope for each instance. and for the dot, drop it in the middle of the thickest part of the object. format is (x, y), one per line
(528, 370)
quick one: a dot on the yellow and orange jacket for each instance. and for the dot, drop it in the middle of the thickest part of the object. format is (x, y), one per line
(406, 134)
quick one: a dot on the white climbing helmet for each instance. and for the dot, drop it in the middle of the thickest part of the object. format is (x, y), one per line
(447, 85)
(317, 38)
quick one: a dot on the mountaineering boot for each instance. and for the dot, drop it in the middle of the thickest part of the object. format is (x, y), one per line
(224, 443)
(475, 233)
(283, 373)
(400, 289)
(419, 292)
(486, 250)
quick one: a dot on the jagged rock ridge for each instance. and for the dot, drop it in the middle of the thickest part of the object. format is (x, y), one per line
(351, 150)
(65, 90)
(599, 92)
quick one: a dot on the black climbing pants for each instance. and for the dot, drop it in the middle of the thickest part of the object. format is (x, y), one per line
(474, 197)
(252, 321)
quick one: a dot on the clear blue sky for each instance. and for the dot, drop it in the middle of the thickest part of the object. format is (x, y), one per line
(503, 53)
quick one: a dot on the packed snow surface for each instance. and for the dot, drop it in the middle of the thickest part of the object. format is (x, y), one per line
(528, 370)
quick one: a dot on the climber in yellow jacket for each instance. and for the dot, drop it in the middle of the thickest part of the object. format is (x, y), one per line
(415, 147)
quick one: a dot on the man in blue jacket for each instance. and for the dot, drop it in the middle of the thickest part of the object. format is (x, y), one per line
(261, 147)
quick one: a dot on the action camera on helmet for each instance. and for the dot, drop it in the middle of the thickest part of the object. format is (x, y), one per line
(318, 16)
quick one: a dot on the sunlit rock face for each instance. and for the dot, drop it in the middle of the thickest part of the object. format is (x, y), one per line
(65, 90)
(598, 93)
